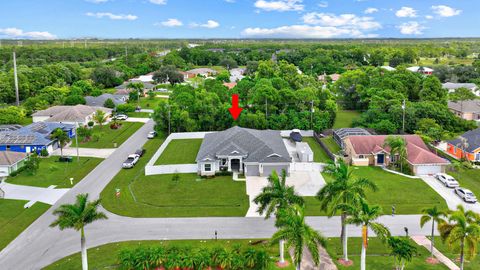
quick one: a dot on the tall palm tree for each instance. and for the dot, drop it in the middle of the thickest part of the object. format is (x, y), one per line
(398, 147)
(343, 190)
(461, 231)
(77, 216)
(137, 86)
(61, 137)
(298, 234)
(434, 215)
(100, 118)
(365, 215)
(276, 196)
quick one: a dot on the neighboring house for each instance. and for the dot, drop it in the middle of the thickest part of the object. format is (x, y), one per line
(468, 109)
(33, 137)
(451, 87)
(339, 135)
(370, 151)
(100, 100)
(253, 152)
(11, 161)
(422, 70)
(187, 75)
(147, 78)
(230, 85)
(466, 146)
(205, 72)
(78, 114)
(123, 89)
(334, 77)
(236, 74)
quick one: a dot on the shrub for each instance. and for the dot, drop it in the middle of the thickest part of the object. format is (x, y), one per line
(109, 104)
(126, 108)
(44, 152)
(90, 123)
(95, 137)
(32, 164)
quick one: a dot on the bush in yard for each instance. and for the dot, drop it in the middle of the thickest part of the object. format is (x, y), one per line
(84, 133)
(109, 103)
(44, 153)
(32, 164)
(175, 177)
(90, 123)
(151, 94)
(125, 108)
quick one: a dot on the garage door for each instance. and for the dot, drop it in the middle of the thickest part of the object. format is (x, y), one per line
(424, 170)
(252, 170)
(268, 169)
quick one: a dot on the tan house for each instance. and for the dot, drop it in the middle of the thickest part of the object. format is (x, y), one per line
(371, 151)
(468, 109)
(77, 115)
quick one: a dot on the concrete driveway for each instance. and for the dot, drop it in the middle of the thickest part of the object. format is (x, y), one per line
(449, 195)
(48, 195)
(85, 152)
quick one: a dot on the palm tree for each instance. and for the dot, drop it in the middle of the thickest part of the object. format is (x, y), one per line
(398, 147)
(365, 215)
(276, 196)
(401, 250)
(100, 118)
(61, 137)
(344, 190)
(434, 215)
(298, 234)
(462, 230)
(77, 216)
(137, 86)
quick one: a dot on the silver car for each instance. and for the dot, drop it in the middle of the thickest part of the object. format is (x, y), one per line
(466, 195)
(447, 180)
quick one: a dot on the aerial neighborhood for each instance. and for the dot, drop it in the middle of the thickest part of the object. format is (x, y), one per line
(333, 136)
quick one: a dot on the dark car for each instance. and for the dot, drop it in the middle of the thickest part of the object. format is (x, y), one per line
(65, 159)
(296, 136)
(140, 152)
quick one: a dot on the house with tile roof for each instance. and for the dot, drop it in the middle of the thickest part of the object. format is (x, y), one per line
(249, 151)
(370, 150)
(11, 161)
(466, 146)
(77, 115)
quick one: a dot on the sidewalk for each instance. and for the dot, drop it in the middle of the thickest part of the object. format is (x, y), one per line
(425, 242)
(85, 152)
(326, 262)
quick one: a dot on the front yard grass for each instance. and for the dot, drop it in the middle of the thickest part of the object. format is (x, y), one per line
(408, 195)
(468, 178)
(378, 255)
(331, 144)
(319, 155)
(106, 256)
(52, 172)
(14, 218)
(183, 151)
(454, 255)
(148, 103)
(108, 136)
(344, 118)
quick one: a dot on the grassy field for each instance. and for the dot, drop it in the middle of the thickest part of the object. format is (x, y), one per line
(345, 118)
(182, 151)
(108, 136)
(52, 172)
(392, 190)
(470, 264)
(319, 155)
(378, 255)
(105, 257)
(445, 61)
(331, 144)
(14, 218)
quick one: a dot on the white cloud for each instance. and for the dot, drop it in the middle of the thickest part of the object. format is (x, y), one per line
(97, 1)
(209, 24)
(112, 16)
(158, 2)
(411, 28)
(342, 20)
(230, 1)
(323, 4)
(280, 5)
(304, 31)
(170, 23)
(19, 33)
(445, 11)
(370, 10)
(428, 17)
(406, 12)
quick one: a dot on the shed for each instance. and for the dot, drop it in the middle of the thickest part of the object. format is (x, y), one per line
(304, 152)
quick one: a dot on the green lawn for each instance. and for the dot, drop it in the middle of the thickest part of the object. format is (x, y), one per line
(408, 195)
(52, 172)
(468, 178)
(182, 151)
(105, 256)
(108, 136)
(378, 257)
(331, 144)
(470, 264)
(345, 118)
(319, 155)
(148, 103)
(14, 218)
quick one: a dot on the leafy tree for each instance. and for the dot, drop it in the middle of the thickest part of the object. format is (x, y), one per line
(432, 214)
(462, 94)
(401, 250)
(75, 100)
(106, 76)
(398, 149)
(429, 127)
(33, 104)
(32, 164)
(228, 63)
(11, 115)
(432, 90)
(109, 103)
(77, 216)
(61, 137)
(168, 74)
(223, 76)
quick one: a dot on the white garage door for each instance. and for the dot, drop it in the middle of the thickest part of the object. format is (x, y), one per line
(424, 170)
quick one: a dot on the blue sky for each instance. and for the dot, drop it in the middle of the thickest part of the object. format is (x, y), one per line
(50, 19)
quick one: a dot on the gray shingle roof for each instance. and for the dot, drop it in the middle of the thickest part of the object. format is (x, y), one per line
(453, 86)
(100, 100)
(265, 146)
(473, 140)
(467, 106)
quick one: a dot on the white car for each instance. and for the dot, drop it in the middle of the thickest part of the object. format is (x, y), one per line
(466, 195)
(120, 117)
(131, 161)
(447, 180)
(151, 135)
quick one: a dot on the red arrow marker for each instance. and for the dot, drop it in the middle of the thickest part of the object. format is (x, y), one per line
(235, 110)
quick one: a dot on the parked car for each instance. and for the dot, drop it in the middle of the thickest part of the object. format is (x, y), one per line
(466, 195)
(140, 152)
(295, 135)
(65, 159)
(447, 180)
(152, 134)
(120, 117)
(131, 161)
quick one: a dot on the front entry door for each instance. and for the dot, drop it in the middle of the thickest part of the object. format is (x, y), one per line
(235, 164)
(380, 159)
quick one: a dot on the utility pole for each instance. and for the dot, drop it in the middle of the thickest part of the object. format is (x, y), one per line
(403, 108)
(17, 96)
(168, 119)
(76, 141)
(311, 115)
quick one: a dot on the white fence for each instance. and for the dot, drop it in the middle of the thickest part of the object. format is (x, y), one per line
(169, 169)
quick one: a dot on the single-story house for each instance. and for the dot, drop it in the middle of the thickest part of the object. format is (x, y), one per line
(33, 137)
(334, 77)
(123, 89)
(100, 100)
(205, 72)
(187, 75)
(78, 114)
(11, 161)
(468, 109)
(253, 152)
(371, 151)
(230, 85)
(422, 70)
(451, 87)
(339, 135)
(147, 78)
(466, 146)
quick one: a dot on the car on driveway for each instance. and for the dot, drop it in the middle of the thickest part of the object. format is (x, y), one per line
(120, 117)
(140, 152)
(131, 161)
(466, 195)
(152, 134)
(447, 180)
